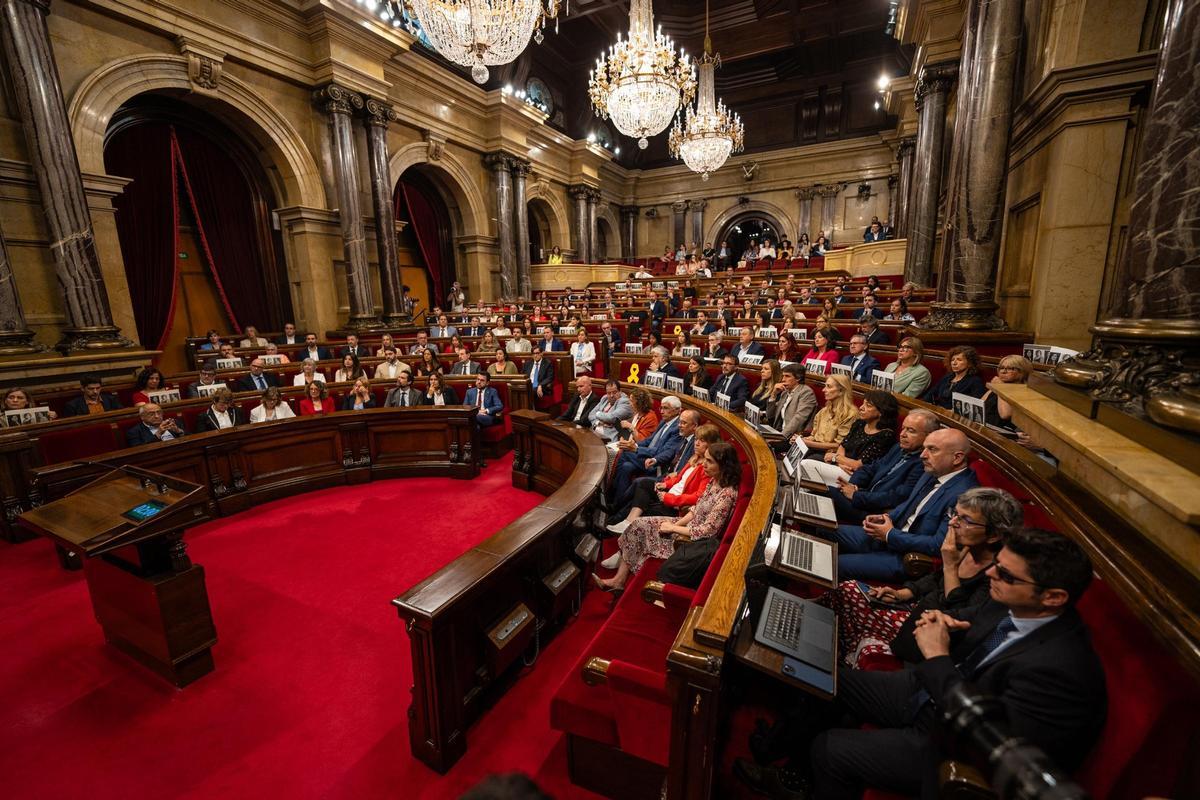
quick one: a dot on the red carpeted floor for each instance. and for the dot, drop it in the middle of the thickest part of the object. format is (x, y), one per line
(311, 687)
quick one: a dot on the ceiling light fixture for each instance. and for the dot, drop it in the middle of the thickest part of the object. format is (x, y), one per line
(640, 82)
(705, 136)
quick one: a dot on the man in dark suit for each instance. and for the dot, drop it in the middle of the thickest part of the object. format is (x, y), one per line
(723, 311)
(730, 383)
(611, 337)
(540, 372)
(860, 361)
(443, 329)
(875, 550)
(152, 427)
(686, 311)
(221, 414)
(486, 400)
(313, 350)
(403, 395)
(581, 405)
(549, 344)
(870, 308)
(870, 328)
(660, 361)
(657, 310)
(746, 345)
(259, 380)
(353, 348)
(888, 481)
(92, 400)
(1027, 648)
(702, 327)
(289, 334)
(464, 365)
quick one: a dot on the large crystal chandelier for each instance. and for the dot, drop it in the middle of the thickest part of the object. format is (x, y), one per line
(640, 83)
(704, 136)
(473, 33)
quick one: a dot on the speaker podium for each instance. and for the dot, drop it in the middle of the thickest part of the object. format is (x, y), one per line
(149, 598)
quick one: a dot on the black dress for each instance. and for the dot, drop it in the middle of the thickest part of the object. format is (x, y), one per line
(991, 413)
(867, 447)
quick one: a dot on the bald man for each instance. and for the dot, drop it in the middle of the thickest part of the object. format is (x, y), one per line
(875, 550)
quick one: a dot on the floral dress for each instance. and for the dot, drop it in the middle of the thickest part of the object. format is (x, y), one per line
(641, 539)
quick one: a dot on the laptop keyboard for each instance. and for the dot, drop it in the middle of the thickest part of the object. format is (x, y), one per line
(798, 553)
(784, 615)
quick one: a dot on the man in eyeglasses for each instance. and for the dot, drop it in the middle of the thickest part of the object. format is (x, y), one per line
(1027, 648)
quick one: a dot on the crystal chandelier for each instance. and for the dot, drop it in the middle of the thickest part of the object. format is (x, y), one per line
(641, 82)
(704, 136)
(473, 33)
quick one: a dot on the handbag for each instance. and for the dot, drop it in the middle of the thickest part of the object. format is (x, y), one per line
(687, 565)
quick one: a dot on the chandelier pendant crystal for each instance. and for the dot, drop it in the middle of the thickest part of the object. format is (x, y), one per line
(474, 33)
(705, 136)
(640, 83)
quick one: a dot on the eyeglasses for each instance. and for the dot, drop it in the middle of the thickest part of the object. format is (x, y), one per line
(952, 515)
(904, 347)
(1007, 577)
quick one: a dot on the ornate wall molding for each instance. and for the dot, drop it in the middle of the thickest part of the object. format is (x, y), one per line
(204, 65)
(781, 218)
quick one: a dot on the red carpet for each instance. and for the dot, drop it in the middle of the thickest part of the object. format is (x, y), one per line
(311, 688)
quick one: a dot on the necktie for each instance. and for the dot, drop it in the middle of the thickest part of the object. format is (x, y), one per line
(685, 450)
(259, 382)
(970, 665)
(480, 399)
(926, 492)
(403, 398)
(533, 373)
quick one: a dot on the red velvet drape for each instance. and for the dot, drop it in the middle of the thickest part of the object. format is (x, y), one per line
(147, 215)
(426, 226)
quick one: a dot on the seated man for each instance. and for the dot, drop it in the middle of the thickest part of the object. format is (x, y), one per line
(714, 351)
(860, 361)
(208, 377)
(518, 343)
(443, 329)
(92, 400)
(221, 414)
(391, 366)
(485, 399)
(259, 380)
(289, 334)
(610, 337)
(579, 410)
(549, 344)
(1027, 648)
(655, 452)
(464, 365)
(403, 395)
(702, 327)
(870, 308)
(652, 498)
(869, 328)
(730, 383)
(353, 348)
(792, 405)
(250, 338)
(607, 414)
(875, 550)
(152, 428)
(746, 345)
(226, 352)
(660, 361)
(313, 350)
(540, 372)
(886, 482)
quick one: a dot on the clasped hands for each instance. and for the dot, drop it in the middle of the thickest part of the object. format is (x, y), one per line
(878, 526)
(932, 633)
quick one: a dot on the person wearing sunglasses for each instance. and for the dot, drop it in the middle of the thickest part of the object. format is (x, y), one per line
(1026, 648)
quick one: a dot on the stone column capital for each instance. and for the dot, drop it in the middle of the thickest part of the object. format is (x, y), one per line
(335, 99)
(379, 113)
(905, 147)
(679, 206)
(892, 179)
(698, 205)
(521, 168)
(806, 192)
(499, 161)
(935, 79)
(830, 189)
(579, 192)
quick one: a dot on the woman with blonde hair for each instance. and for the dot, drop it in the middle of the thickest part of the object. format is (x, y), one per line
(833, 421)
(996, 410)
(769, 378)
(912, 377)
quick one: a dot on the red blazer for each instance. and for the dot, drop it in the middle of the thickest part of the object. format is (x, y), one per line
(830, 356)
(307, 410)
(696, 484)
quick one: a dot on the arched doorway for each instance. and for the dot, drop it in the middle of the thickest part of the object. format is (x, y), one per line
(426, 244)
(604, 237)
(200, 246)
(752, 225)
(541, 232)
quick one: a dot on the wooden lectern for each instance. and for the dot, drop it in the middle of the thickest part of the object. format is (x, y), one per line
(148, 596)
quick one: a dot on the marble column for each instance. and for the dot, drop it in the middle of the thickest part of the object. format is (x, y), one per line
(378, 115)
(582, 232)
(38, 99)
(593, 232)
(979, 169)
(678, 223)
(340, 103)
(804, 212)
(932, 88)
(501, 166)
(520, 175)
(697, 208)
(629, 217)
(1145, 357)
(904, 157)
(891, 212)
(829, 195)
(15, 336)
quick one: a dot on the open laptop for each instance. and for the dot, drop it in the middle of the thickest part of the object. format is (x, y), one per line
(814, 506)
(797, 628)
(800, 555)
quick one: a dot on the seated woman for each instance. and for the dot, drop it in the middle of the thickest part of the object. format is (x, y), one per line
(651, 537)
(360, 396)
(912, 377)
(501, 366)
(822, 349)
(833, 421)
(803, 246)
(17, 399)
(681, 489)
(351, 369)
(272, 407)
(149, 379)
(316, 400)
(438, 393)
(870, 436)
(583, 352)
(696, 375)
(769, 377)
(501, 328)
(272, 349)
(829, 309)
(385, 342)
(962, 376)
(427, 365)
(682, 339)
(308, 374)
(996, 410)
(556, 256)
(786, 348)
(453, 343)
(820, 247)
(983, 518)
(488, 343)
(898, 312)
(644, 421)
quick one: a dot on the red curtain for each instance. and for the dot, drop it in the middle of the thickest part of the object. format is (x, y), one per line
(147, 224)
(431, 233)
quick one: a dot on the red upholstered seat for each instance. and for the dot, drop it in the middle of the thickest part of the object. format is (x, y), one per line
(78, 443)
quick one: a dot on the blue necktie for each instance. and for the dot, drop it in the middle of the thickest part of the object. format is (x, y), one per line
(258, 381)
(970, 665)
(901, 461)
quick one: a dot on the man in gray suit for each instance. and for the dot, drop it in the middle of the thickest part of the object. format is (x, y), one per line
(403, 395)
(793, 404)
(464, 365)
(443, 329)
(612, 408)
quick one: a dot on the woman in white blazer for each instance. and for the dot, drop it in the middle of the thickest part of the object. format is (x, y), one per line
(271, 408)
(583, 352)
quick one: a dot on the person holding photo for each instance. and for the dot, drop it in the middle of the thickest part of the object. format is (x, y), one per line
(962, 376)
(17, 399)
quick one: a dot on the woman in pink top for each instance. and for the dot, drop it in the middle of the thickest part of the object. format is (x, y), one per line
(822, 349)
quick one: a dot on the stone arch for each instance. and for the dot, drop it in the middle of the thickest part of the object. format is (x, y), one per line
(773, 213)
(451, 175)
(290, 166)
(608, 223)
(554, 210)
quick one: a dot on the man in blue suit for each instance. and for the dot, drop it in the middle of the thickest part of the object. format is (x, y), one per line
(486, 401)
(860, 361)
(875, 550)
(443, 329)
(650, 457)
(611, 337)
(540, 372)
(888, 481)
(746, 345)
(549, 344)
(730, 383)
(658, 312)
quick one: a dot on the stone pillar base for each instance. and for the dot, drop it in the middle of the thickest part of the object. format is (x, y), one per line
(100, 337)
(1146, 367)
(19, 343)
(963, 317)
(398, 319)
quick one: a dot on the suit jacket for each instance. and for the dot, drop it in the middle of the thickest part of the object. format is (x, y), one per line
(658, 311)
(139, 434)
(573, 409)
(880, 487)
(669, 369)
(358, 350)
(617, 341)
(727, 314)
(1050, 682)
(875, 312)
(799, 412)
(737, 388)
(709, 355)
(323, 354)
(208, 421)
(448, 394)
(491, 400)
(297, 339)
(545, 376)
(662, 445)
(77, 406)
(620, 410)
(247, 384)
(474, 330)
(927, 531)
(752, 349)
(865, 367)
(555, 346)
(435, 332)
(413, 397)
(942, 392)
(348, 402)
(705, 331)
(467, 367)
